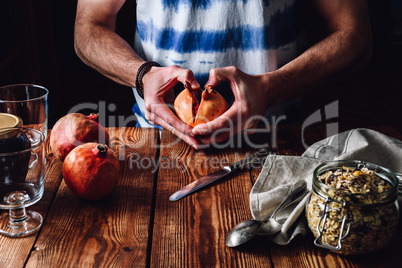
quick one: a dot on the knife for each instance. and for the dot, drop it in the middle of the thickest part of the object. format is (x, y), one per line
(208, 179)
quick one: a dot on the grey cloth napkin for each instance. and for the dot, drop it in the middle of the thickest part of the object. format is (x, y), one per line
(280, 172)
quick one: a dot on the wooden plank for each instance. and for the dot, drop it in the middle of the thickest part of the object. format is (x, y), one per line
(15, 251)
(191, 232)
(109, 232)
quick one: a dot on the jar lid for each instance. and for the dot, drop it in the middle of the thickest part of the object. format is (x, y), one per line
(9, 121)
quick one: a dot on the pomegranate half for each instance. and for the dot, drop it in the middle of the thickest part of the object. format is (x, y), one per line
(196, 107)
(91, 171)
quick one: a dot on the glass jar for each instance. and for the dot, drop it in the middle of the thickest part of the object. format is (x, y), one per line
(353, 208)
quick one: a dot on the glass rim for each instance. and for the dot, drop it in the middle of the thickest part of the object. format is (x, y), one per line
(24, 85)
(36, 146)
(340, 163)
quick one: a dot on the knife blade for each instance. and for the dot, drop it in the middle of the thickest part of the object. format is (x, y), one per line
(208, 179)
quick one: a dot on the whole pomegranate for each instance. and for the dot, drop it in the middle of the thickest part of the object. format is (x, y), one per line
(195, 107)
(91, 171)
(75, 129)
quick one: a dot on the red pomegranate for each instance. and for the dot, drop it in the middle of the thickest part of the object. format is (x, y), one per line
(195, 107)
(91, 171)
(73, 130)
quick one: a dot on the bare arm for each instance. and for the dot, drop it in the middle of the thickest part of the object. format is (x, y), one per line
(346, 48)
(98, 45)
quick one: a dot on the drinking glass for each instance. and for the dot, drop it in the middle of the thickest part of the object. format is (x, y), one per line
(27, 101)
(22, 168)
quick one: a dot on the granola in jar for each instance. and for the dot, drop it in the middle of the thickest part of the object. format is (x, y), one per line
(353, 208)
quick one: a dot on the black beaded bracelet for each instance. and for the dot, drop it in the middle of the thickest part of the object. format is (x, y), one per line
(144, 68)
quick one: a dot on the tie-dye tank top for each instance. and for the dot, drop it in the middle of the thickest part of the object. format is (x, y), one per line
(257, 36)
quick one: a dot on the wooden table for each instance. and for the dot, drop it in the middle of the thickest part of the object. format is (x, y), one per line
(137, 226)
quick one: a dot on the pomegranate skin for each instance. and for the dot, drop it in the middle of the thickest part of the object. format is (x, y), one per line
(73, 130)
(210, 106)
(91, 173)
(183, 106)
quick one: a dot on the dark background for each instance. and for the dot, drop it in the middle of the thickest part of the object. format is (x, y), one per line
(37, 47)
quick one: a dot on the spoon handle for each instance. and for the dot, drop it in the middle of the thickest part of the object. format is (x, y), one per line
(295, 190)
(296, 198)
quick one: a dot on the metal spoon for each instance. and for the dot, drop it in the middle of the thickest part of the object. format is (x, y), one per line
(297, 198)
(246, 230)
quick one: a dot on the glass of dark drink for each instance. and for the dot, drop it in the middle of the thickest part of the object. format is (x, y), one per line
(22, 169)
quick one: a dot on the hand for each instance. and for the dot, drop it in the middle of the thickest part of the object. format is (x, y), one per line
(158, 94)
(251, 101)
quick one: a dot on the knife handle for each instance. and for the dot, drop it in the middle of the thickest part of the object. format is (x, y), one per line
(261, 154)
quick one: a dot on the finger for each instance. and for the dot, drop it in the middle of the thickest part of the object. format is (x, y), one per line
(231, 75)
(187, 139)
(213, 80)
(161, 112)
(164, 117)
(218, 75)
(166, 87)
(186, 77)
(227, 120)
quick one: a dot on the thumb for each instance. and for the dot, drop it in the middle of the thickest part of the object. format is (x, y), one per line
(193, 85)
(214, 78)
